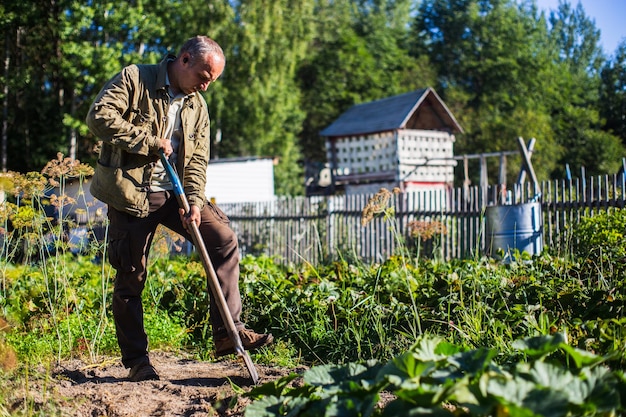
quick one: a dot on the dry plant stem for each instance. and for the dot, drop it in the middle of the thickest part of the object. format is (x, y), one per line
(379, 205)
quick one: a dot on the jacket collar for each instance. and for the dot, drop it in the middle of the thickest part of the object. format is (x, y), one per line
(161, 83)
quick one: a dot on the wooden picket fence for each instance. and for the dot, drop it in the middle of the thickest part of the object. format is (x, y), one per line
(440, 223)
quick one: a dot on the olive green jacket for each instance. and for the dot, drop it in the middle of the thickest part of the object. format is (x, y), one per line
(130, 116)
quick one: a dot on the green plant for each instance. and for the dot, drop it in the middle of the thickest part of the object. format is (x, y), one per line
(36, 224)
(339, 312)
(599, 242)
(426, 235)
(379, 205)
(435, 377)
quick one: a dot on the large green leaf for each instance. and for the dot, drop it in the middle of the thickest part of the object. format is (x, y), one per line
(275, 388)
(526, 395)
(271, 406)
(400, 408)
(540, 345)
(334, 375)
(473, 361)
(583, 357)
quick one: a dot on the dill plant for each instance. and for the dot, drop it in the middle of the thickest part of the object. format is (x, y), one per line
(379, 205)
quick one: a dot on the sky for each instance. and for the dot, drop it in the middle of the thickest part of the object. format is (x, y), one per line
(609, 15)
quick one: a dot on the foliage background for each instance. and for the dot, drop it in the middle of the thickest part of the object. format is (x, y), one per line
(504, 69)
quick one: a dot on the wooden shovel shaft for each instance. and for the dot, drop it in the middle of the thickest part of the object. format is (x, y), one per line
(212, 280)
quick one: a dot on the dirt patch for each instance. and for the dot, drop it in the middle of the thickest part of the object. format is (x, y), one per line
(187, 388)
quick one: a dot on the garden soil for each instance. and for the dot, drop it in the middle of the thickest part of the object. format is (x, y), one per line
(187, 387)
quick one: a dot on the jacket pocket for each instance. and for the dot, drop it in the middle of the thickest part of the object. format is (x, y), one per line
(140, 117)
(125, 189)
(119, 251)
(218, 213)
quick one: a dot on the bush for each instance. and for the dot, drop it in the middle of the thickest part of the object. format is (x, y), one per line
(599, 242)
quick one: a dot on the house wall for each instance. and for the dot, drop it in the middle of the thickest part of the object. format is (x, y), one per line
(364, 154)
(426, 156)
(408, 158)
(234, 181)
(369, 188)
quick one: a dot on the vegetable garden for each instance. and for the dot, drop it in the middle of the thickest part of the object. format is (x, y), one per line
(543, 336)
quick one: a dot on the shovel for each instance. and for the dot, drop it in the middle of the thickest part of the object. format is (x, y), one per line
(211, 276)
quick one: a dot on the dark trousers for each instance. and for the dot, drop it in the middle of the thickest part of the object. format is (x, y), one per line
(130, 239)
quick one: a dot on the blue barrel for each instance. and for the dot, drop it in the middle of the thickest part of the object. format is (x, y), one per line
(514, 227)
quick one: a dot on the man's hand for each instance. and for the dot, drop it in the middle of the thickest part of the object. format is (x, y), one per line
(193, 216)
(166, 145)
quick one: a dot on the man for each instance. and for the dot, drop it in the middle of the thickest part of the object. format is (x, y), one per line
(140, 111)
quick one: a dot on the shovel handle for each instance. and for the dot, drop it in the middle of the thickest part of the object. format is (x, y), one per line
(212, 280)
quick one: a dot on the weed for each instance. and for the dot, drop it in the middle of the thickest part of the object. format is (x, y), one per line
(378, 205)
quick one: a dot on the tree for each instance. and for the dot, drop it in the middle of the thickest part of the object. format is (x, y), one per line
(576, 38)
(31, 101)
(360, 54)
(492, 62)
(574, 99)
(97, 40)
(292, 67)
(613, 93)
(60, 53)
(259, 113)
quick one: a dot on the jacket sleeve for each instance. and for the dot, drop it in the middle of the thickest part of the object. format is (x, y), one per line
(115, 118)
(195, 171)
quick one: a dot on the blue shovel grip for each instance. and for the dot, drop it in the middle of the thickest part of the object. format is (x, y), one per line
(178, 187)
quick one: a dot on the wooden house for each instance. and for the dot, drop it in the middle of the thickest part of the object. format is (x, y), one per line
(403, 141)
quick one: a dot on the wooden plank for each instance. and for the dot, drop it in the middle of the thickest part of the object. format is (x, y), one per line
(528, 166)
(531, 147)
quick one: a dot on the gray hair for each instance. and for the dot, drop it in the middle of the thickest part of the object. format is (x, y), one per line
(201, 46)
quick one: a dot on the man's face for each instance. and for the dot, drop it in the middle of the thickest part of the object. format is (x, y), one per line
(198, 75)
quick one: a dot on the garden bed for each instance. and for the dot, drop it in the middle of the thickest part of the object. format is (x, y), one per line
(187, 387)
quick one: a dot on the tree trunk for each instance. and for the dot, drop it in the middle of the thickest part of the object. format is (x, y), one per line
(5, 104)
